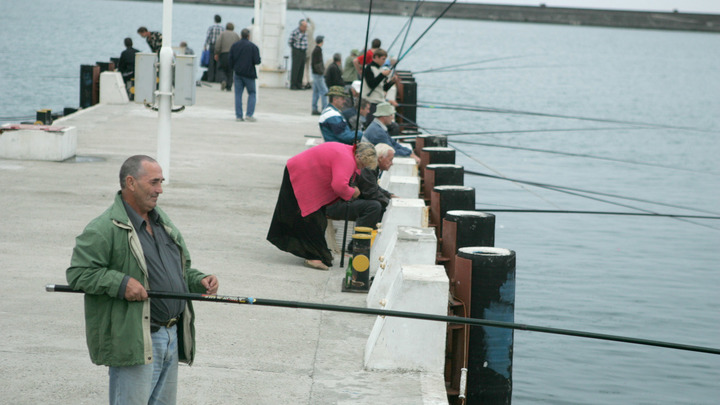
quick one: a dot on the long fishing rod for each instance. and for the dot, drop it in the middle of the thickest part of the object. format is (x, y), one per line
(357, 127)
(440, 69)
(564, 188)
(447, 106)
(403, 314)
(401, 57)
(583, 155)
(398, 35)
(412, 17)
(642, 214)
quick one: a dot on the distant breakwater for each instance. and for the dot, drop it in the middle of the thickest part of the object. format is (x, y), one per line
(494, 12)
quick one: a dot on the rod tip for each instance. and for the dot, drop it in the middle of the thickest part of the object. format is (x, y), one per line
(50, 287)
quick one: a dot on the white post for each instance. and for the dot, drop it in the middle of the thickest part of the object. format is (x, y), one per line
(165, 93)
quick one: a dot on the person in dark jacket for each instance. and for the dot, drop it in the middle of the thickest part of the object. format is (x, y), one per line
(320, 90)
(153, 38)
(333, 74)
(126, 64)
(244, 55)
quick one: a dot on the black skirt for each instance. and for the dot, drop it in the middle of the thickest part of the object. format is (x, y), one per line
(291, 232)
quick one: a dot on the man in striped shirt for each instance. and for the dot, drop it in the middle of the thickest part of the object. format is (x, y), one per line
(298, 43)
(213, 33)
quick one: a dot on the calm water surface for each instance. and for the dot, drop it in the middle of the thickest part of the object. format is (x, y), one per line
(648, 100)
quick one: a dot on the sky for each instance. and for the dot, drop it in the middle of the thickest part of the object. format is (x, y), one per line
(683, 6)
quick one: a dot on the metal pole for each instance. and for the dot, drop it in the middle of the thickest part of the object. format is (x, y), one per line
(165, 93)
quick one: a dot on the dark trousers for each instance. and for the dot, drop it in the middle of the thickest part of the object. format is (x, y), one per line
(363, 212)
(213, 75)
(298, 68)
(226, 72)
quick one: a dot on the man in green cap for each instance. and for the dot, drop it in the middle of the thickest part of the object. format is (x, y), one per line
(333, 126)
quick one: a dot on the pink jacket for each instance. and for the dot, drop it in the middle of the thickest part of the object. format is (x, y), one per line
(320, 175)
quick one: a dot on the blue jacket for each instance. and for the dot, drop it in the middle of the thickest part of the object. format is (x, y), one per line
(244, 55)
(334, 128)
(376, 134)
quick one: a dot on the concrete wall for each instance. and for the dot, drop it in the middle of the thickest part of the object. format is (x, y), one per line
(537, 14)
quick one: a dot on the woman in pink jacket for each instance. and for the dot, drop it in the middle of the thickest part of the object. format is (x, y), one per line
(317, 177)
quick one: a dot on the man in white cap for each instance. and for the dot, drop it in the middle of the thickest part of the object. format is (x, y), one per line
(377, 131)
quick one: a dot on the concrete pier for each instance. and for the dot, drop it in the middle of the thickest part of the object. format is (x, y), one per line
(226, 176)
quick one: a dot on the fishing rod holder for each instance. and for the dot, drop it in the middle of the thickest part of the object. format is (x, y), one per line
(357, 274)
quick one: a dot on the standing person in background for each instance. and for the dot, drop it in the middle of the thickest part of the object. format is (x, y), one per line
(244, 55)
(318, 85)
(367, 57)
(333, 74)
(376, 82)
(222, 51)
(298, 44)
(130, 248)
(349, 73)
(153, 38)
(126, 65)
(311, 45)
(213, 33)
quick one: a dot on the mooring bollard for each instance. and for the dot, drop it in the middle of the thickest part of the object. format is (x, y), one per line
(441, 174)
(491, 294)
(357, 275)
(435, 154)
(462, 229)
(448, 198)
(422, 141)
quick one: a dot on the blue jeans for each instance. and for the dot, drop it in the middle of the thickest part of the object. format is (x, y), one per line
(242, 82)
(154, 383)
(320, 91)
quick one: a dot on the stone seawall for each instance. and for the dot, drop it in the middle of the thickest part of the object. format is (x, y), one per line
(492, 12)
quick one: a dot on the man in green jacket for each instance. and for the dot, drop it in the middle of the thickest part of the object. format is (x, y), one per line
(130, 248)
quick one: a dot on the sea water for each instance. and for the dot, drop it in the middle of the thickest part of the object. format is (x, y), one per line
(632, 118)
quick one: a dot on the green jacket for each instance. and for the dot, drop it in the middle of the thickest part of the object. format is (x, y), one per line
(118, 331)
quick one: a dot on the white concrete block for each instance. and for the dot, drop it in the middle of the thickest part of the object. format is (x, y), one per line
(404, 186)
(310, 142)
(112, 88)
(411, 344)
(403, 167)
(400, 211)
(410, 246)
(37, 142)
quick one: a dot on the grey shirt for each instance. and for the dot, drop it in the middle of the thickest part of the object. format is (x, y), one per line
(164, 265)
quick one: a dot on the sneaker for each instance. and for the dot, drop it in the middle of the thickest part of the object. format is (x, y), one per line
(239, 119)
(250, 119)
(222, 85)
(315, 112)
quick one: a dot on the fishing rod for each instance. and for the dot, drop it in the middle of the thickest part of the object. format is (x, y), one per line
(564, 188)
(357, 127)
(423, 34)
(467, 64)
(412, 17)
(459, 107)
(642, 214)
(404, 314)
(583, 155)
(398, 35)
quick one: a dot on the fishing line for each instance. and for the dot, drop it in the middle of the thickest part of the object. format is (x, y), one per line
(446, 106)
(642, 214)
(583, 155)
(411, 315)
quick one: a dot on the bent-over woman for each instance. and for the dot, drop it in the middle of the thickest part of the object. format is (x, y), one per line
(314, 178)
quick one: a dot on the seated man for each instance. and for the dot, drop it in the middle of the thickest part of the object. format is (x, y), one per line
(333, 126)
(367, 210)
(377, 131)
(351, 114)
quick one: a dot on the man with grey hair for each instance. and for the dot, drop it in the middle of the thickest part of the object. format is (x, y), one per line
(333, 74)
(367, 210)
(130, 248)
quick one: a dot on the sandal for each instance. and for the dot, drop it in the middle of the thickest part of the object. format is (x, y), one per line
(316, 265)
